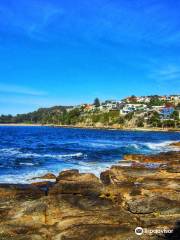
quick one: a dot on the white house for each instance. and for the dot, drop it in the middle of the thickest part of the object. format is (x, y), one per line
(110, 105)
(157, 108)
(132, 108)
(175, 99)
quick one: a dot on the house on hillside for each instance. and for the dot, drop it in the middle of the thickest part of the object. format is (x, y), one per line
(166, 113)
(88, 107)
(132, 108)
(147, 99)
(140, 99)
(157, 108)
(131, 99)
(109, 105)
(175, 99)
(163, 98)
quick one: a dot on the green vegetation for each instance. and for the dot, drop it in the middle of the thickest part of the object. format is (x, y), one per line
(175, 115)
(7, 119)
(97, 102)
(154, 120)
(88, 115)
(140, 122)
(155, 101)
(129, 116)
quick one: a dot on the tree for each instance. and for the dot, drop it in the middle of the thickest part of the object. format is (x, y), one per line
(97, 102)
(129, 116)
(6, 119)
(155, 101)
(140, 122)
(121, 120)
(175, 115)
(168, 123)
(155, 120)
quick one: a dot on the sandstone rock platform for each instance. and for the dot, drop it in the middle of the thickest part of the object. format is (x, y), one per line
(79, 206)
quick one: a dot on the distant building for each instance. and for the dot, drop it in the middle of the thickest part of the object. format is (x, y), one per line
(175, 99)
(139, 99)
(132, 108)
(162, 98)
(166, 112)
(88, 107)
(157, 108)
(131, 99)
(110, 105)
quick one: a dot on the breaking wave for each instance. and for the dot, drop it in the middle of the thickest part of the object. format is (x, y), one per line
(161, 146)
(37, 151)
(17, 152)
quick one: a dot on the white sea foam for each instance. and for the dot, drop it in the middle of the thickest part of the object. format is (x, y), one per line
(94, 167)
(9, 151)
(24, 178)
(90, 167)
(18, 153)
(135, 146)
(102, 143)
(63, 155)
(20, 178)
(28, 155)
(160, 146)
(27, 164)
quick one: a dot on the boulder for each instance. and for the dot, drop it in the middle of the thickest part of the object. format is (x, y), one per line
(48, 176)
(105, 177)
(73, 182)
(68, 174)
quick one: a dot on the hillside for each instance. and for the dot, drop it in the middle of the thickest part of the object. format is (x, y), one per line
(132, 112)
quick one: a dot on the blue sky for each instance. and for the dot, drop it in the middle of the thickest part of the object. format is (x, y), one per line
(68, 52)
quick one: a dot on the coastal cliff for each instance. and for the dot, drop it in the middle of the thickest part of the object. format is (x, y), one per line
(144, 193)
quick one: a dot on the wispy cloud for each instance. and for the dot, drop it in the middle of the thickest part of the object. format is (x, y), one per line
(91, 22)
(30, 18)
(37, 28)
(16, 89)
(165, 73)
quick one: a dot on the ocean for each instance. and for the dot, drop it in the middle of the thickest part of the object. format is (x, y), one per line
(27, 152)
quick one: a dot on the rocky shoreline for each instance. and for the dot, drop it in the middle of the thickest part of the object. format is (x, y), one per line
(79, 206)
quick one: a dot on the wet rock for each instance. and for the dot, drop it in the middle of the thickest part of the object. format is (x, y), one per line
(48, 176)
(73, 182)
(105, 177)
(158, 158)
(68, 174)
(175, 144)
